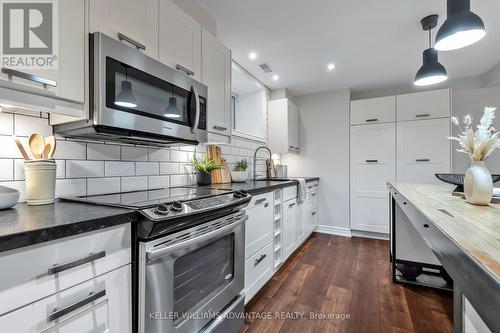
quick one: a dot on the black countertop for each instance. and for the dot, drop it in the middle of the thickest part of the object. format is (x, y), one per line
(25, 225)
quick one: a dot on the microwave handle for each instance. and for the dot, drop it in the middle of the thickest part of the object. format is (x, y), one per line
(197, 117)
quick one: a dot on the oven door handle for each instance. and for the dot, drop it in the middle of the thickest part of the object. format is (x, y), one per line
(161, 251)
(197, 116)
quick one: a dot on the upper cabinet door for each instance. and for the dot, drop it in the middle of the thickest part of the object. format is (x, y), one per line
(424, 105)
(373, 110)
(216, 74)
(135, 19)
(293, 127)
(179, 40)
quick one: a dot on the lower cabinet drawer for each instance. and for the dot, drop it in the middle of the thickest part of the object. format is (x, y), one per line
(35, 272)
(289, 192)
(99, 305)
(258, 270)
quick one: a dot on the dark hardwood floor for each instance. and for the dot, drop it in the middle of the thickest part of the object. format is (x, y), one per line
(349, 279)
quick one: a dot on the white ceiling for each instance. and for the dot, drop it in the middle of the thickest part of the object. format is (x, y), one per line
(373, 43)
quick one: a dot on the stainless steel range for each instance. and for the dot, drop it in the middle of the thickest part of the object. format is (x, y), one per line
(189, 258)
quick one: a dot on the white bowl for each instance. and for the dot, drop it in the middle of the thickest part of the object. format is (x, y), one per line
(8, 197)
(239, 176)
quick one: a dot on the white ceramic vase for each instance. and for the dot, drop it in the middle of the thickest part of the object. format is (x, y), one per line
(478, 184)
(239, 176)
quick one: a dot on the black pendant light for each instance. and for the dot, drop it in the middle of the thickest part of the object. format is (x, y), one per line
(431, 72)
(125, 97)
(461, 28)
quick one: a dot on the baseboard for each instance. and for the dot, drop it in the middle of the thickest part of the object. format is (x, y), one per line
(369, 234)
(337, 231)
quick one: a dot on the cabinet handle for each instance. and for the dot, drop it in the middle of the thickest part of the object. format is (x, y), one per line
(422, 115)
(266, 204)
(63, 267)
(426, 225)
(314, 194)
(258, 261)
(139, 46)
(258, 202)
(184, 69)
(291, 204)
(422, 160)
(371, 120)
(313, 213)
(219, 128)
(72, 307)
(371, 161)
(30, 77)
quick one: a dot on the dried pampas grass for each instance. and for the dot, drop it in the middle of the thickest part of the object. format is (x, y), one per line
(481, 143)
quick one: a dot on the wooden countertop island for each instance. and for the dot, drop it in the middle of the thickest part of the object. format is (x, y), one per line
(466, 240)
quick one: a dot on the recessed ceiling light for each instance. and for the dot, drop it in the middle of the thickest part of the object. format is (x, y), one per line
(330, 66)
(252, 55)
(276, 77)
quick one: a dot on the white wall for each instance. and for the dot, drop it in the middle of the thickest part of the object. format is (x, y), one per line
(473, 101)
(250, 114)
(324, 152)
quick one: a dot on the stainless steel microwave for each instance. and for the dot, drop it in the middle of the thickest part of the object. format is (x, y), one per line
(136, 99)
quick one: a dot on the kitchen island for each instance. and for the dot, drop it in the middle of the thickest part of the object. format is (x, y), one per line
(466, 240)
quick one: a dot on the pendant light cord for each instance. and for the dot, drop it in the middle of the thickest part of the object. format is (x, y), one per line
(430, 38)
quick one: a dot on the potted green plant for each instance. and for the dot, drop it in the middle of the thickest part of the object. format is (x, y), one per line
(240, 174)
(204, 169)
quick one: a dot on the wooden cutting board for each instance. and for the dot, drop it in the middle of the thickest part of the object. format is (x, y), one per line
(222, 175)
(226, 174)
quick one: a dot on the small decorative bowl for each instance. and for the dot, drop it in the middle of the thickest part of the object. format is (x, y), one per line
(8, 197)
(239, 176)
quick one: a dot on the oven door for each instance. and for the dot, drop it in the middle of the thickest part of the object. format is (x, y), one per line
(136, 93)
(186, 278)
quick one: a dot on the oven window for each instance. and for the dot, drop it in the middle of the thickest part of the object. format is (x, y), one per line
(202, 273)
(131, 90)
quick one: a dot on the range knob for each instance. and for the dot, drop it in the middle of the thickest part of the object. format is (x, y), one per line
(162, 209)
(244, 193)
(237, 194)
(176, 206)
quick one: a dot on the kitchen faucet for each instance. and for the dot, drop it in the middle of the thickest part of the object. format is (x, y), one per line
(255, 159)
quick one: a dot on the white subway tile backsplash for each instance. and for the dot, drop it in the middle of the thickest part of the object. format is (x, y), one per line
(71, 150)
(6, 169)
(134, 183)
(178, 180)
(71, 187)
(158, 181)
(178, 156)
(6, 123)
(25, 125)
(169, 168)
(159, 155)
(9, 148)
(104, 152)
(113, 169)
(147, 168)
(103, 185)
(84, 169)
(134, 153)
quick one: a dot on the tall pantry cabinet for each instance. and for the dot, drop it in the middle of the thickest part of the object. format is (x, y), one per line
(400, 138)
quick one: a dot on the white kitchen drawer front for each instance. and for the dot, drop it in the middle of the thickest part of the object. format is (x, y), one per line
(258, 270)
(373, 144)
(423, 149)
(99, 305)
(289, 193)
(369, 212)
(423, 105)
(259, 226)
(19, 321)
(373, 110)
(38, 271)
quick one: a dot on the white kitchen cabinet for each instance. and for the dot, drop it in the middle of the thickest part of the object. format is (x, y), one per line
(216, 74)
(137, 20)
(278, 229)
(424, 105)
(179, 39)
(67, 89)
(291, 219)
(259, 226)
(105, 305)
(373, 110)
(373, 163)
(423, 149)
(283, 126)
(258, 270)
